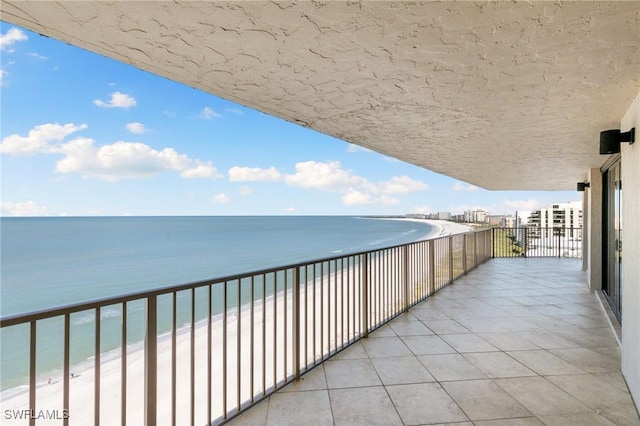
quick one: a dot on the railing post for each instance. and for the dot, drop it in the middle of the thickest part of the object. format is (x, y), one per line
(432, 269)
(450, 259)
(32, 372)
(475, 249)
(559, 245)
(65, 369)
(96, 370)
(296, 322)
(464, 253)
(526, 237)
(151, 362)
(365, 294)
(123, 368)
(405, 253)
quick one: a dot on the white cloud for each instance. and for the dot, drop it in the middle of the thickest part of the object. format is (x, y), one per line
(3, 74)
(530, 204)
(328, 176)
(291, 209)
(331, 177)
(354, 197)
(255, 174)
(201, 170)
(245, 190)
(26, 208)
(387, 200)
(37, 56)
(12, 36)
(136, 128)
(42, 139)
(459, 186)
(120, 160)
(221, 198)
(402, 185)
(118, 100)
(207, 113)
(234, 111)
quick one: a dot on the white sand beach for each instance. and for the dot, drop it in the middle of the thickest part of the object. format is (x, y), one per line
(446, 227)
(442, 228)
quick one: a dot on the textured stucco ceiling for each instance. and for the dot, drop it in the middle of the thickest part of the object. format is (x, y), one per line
(502, 95)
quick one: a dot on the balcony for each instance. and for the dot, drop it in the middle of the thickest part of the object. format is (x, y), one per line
(429, 332)
(516, 341)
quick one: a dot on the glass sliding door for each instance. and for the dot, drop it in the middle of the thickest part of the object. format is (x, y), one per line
(612, 227)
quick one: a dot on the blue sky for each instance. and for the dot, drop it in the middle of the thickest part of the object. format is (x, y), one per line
(84, 135)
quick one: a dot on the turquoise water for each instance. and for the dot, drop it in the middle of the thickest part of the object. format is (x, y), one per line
(49, 262)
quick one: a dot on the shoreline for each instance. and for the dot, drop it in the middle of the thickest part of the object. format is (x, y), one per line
(442, 228)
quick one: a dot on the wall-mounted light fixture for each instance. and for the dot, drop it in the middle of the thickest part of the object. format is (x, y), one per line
(610, 140)
(583, 185)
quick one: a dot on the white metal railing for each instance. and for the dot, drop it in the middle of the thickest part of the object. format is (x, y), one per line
(214, 348)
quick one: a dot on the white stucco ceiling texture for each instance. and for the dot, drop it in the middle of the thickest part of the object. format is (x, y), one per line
(502, 95)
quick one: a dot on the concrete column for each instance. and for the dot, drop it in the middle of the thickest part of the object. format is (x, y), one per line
(630, 169)
(593, 225)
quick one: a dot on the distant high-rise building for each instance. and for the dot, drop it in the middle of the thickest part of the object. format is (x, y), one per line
(557, 217)
(476, 216)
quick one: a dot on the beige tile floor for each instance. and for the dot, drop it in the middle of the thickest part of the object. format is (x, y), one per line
(515, 342)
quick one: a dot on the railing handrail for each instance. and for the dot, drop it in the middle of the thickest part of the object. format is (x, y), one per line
(25, 317)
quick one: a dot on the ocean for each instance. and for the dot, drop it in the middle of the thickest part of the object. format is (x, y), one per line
(51, 262)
